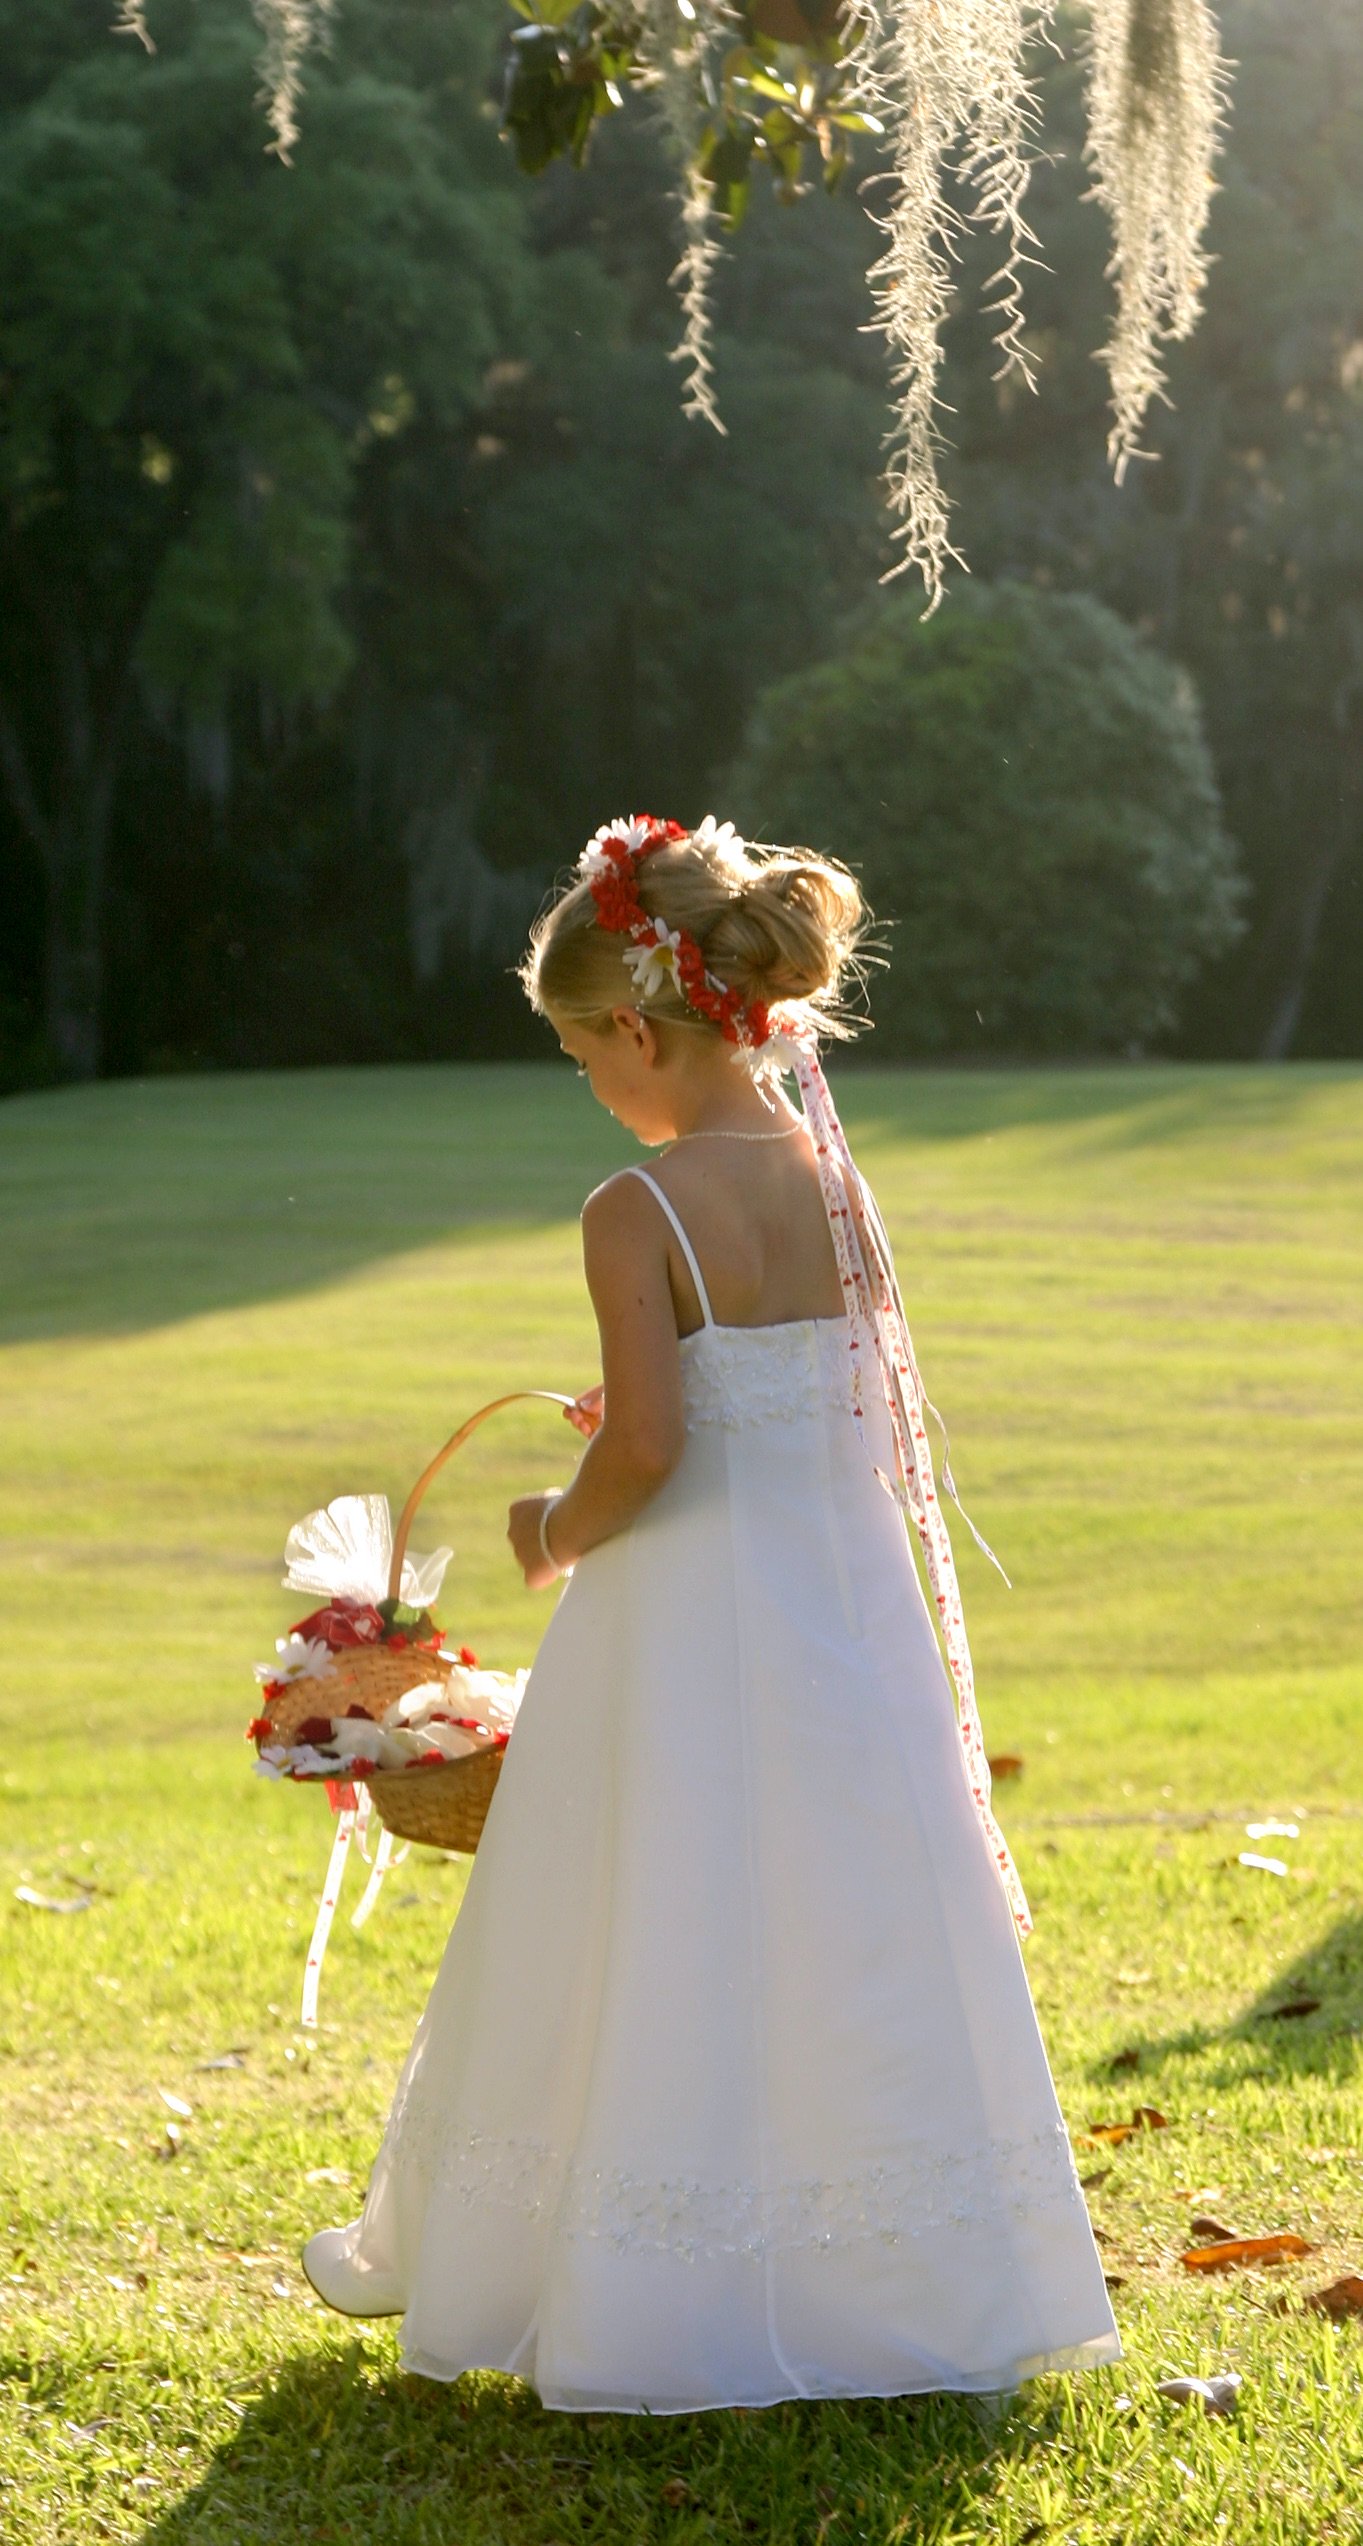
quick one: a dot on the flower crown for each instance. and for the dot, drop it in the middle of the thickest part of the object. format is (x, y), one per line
(658, 954)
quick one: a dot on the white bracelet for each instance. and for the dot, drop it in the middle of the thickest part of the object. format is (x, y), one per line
(547, 1506)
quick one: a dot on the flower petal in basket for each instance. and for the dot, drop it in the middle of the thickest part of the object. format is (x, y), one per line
(346, 1551)
(359, 1737)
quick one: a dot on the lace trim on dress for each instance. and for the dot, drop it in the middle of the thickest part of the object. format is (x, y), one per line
(739, 1375)
(925, 2193)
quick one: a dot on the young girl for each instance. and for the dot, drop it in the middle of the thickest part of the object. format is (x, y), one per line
(730, 2087)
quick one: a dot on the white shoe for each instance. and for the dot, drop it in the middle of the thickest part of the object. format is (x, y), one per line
(345, 2285)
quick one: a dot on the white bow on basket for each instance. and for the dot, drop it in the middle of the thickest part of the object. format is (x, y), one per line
(346, 1551)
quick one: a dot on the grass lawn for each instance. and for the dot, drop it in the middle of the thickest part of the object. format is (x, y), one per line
(1137, 1295)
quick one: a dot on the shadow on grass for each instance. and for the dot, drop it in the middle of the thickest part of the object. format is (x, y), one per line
(141, 1202)
(344, 2446)
(1324, 2041)
(1127, 1105)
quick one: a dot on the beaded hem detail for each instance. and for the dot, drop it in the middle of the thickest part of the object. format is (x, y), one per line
(926, 2192)
(737, 1375)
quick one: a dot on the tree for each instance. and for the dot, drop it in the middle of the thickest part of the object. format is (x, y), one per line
(1241, 554)
(1024, 788)
(948, 88)
(201, 353)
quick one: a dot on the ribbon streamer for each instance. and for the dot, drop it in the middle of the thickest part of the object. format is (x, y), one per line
(876, 1313)
(326, 1911)
(384, 1855)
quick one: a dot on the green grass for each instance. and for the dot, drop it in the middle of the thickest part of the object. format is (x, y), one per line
(1136, 1293)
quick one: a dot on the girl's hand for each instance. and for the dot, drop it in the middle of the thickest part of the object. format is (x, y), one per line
(587, 1412)
(523, 1535)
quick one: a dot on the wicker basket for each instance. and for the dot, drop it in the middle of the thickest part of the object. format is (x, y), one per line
(367, 1675)
(440, 1807)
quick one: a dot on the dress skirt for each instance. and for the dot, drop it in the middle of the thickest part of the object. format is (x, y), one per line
(730, 2086)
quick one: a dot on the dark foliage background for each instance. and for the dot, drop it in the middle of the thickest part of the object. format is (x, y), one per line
(356, 560)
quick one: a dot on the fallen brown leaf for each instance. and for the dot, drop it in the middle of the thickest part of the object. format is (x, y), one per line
(1090, 2183)
(1303, 2006)
(1343, 2297)
(676, 2493)
(1114, 2280)
(1111, 2134)
(1130, 2059)
(1210, 2232)
(1007, 1764)
(1281, 2247)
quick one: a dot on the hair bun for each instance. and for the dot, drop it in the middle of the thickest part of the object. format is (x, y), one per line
(790, 929)
(778, 925)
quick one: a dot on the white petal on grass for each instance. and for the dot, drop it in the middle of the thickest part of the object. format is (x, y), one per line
(1216, 2395)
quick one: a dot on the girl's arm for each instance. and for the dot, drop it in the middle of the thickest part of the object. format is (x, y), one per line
(642, 1436)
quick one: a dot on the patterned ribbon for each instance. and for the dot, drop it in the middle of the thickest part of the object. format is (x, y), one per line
(353, 1812)
(326, 1907)
(876, 1314)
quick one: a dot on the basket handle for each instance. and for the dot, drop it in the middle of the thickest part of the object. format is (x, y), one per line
(516, 1396)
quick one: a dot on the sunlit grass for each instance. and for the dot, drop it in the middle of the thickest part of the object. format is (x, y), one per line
(1136, 1295)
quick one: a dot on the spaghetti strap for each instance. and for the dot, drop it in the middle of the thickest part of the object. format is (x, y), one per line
(682, 1240)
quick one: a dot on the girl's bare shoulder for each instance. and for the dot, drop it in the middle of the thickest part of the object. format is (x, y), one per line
(618, 1201)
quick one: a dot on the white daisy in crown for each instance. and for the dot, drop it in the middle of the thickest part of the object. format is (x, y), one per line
(635, 829)
(653, 959)
(723, 836)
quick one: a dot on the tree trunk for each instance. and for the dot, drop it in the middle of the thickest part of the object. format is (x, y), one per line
(77, 868)
(71, 834)
(1335, 853)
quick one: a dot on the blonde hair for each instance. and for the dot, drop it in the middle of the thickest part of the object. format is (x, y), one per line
(781, 925)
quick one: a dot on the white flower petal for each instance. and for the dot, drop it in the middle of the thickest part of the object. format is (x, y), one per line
(415, 1704)
(722, 836)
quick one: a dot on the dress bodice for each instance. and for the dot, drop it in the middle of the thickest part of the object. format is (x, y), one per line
(741, 1375)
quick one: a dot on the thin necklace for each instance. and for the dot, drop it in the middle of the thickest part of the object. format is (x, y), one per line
(787, 1134)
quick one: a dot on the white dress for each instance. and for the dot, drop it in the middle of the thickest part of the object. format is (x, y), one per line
(730, 2087)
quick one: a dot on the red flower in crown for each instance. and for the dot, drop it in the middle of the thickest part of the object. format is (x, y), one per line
(610, 864)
